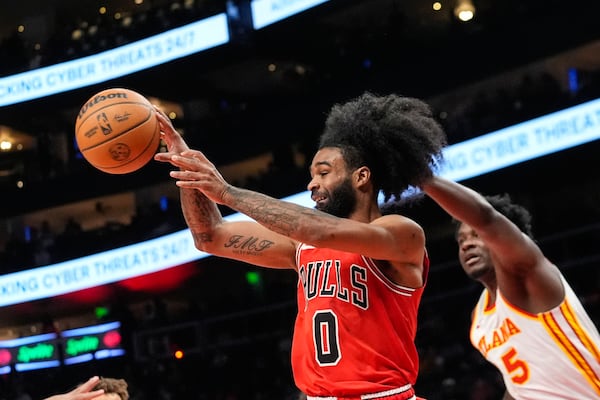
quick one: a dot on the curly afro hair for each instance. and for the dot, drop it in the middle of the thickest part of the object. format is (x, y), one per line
(518, 214)
(396, 137)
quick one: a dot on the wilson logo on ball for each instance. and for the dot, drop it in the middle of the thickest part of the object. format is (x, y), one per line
(101, 97)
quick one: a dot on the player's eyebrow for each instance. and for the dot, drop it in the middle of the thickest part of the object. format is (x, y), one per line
(319, 163)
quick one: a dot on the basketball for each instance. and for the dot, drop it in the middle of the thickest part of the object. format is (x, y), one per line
(117, 131)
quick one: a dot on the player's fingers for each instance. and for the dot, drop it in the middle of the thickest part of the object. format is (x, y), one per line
(160, 114)
(164, 157)
(166, 129)
(196, 154)
(190, 185)
(188, 162)
(87, 385)
(189, 176)
(166, 126)
(159, 111)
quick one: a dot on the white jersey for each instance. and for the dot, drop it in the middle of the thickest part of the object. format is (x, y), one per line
(551, 355)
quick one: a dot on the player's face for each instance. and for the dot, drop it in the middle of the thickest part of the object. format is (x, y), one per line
(474, 256)
(331, 184)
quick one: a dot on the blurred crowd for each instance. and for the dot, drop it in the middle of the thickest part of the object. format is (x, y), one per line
(76, 38)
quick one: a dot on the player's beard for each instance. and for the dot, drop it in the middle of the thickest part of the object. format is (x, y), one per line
(342, 200)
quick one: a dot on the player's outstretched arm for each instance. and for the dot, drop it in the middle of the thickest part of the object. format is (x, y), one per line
(81, 392)
(246, 240)
(200, 213)
(391, 238)
(501, 236)
(524, 275)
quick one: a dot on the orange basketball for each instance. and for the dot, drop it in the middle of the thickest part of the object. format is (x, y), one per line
(117, 131)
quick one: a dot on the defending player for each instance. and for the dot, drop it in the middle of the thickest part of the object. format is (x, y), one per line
(528, 321)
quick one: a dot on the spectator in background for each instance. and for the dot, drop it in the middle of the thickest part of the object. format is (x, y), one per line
(72, 228)
(114, 389)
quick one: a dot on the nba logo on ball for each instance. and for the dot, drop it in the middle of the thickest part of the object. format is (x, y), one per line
(117, 131)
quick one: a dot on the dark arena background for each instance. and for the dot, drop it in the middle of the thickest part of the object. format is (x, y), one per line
(97, 277)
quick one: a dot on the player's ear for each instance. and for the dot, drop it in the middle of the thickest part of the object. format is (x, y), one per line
(362, 175)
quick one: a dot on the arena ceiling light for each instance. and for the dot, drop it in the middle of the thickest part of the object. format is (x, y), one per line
(464, 10)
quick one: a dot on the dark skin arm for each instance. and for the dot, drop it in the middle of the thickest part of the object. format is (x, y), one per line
(279, 225)
(524, 275)
(243, 240)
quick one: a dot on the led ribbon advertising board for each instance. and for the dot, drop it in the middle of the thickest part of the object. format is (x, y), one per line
(69, 347)
(29, 353)
(92, 343)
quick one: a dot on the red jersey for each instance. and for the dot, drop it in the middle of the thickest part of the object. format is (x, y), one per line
(355, 329)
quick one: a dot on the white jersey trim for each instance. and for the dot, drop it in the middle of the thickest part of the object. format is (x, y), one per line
(371, 396)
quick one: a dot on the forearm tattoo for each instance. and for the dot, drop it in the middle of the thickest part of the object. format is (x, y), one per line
(200, 213)
(283, 218)
(202, 237)
(248, 245)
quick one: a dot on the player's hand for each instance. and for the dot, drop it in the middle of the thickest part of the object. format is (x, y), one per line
(81, 392)
(197, 172)
(172, 138)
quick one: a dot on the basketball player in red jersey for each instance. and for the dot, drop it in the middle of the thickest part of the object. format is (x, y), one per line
(361, 274)
(528, 321)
